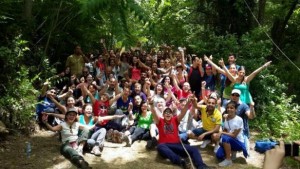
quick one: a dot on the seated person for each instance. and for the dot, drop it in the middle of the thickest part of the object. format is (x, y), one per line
(232, 138)
(211, 121)
(169, 141)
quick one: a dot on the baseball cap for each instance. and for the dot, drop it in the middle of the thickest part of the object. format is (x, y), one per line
(236, 91)
(70, 110)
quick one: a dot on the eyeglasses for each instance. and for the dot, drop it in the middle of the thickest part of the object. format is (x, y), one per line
(236, 95)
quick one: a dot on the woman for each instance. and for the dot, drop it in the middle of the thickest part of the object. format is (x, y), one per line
(181, 75)
(231, 72)
(241, 82)
(232, 138)
(141, 131)
(96, 141)
(64, 108)
(72, 144)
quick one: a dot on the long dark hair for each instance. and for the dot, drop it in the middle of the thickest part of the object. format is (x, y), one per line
(242, 68)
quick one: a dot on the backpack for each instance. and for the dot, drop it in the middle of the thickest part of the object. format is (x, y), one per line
(262, 146)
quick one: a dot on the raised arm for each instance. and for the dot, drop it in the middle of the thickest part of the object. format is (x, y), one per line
(175, 83)
(228, 74)
(155, 114)
(253, 74)
(61, 107)
(83, 88)
(216, 67)
(185, 108)
(114, 99)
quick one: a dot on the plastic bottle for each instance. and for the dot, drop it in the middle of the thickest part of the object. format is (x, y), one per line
(28, 149)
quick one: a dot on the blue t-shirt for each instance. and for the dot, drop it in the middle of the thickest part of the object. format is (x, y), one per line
(124, 105)
(45, 105)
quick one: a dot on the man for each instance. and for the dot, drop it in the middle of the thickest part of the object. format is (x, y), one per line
(243, 111)
(169, 141)
(211, 120)
(195, 75)
(77, 61)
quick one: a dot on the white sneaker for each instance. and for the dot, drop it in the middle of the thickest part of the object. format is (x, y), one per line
(225, 163)
(216, 148)
(233, 155)
(96, 151)
(205, 143)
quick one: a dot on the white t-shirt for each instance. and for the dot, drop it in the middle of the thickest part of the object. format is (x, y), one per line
(69, 133)
(234, 124)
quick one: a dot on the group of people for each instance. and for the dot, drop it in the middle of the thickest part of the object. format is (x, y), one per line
(165, 97)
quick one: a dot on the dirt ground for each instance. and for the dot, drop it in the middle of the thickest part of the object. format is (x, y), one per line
(45, 155)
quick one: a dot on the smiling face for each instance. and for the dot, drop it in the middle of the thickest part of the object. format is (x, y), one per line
(70, 102)
(71, 117)
(88, 110)
(167, 114)
(144, 107)
(232, 69)
(137, 100)
(241, 72)
(211, 103)
(159, 89)
(231, 109)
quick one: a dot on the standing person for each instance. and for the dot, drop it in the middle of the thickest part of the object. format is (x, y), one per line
(231, 61)
(241, 81)
(169, 141)
(232, 138)
(195, 75)
(69, 133)
(77, 61)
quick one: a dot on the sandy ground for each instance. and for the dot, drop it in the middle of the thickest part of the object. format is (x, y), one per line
(45, 155)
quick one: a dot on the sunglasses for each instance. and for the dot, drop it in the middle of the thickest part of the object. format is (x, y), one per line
(168, 112)
(236, 95)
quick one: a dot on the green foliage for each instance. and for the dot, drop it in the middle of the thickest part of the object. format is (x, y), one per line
(277, 115)
(17, 101)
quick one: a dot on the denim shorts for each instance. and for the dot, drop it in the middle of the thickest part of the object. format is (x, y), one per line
(199, 131)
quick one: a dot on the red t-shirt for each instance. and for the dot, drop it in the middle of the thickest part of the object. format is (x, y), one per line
(101, 109)
(168, 132)
(181, 94)
(135, 73)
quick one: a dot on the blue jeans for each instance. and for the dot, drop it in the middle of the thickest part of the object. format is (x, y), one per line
(235, 144)
(97, 138)
(174, 152)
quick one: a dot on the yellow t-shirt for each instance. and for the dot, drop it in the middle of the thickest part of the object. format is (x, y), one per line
(210, 122)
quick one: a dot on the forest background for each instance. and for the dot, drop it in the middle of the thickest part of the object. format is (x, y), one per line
(38, 35)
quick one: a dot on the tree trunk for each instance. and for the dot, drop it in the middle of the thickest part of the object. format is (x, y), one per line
(28, 10)
(279, 25)
(261, 11)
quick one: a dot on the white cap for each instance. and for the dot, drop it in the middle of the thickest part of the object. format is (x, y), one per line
(237, 91)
